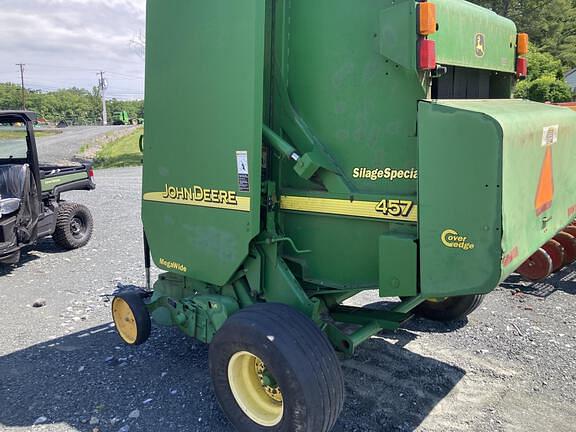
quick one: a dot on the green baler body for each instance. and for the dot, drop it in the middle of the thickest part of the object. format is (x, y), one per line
(384, 173)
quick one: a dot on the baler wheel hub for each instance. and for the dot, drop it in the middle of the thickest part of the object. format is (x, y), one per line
(255, 389)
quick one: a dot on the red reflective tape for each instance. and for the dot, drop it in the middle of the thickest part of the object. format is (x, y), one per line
(508, 259)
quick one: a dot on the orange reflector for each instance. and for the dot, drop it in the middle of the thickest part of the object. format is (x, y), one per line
(522, 43)
(426, 19)
(545, 193)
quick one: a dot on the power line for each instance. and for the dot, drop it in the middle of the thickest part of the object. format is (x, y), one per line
(86, 70)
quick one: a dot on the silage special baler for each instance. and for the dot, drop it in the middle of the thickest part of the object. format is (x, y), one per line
(298, 152)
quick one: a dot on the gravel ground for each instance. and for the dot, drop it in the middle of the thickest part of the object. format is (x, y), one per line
(62, 147)
(512, 367)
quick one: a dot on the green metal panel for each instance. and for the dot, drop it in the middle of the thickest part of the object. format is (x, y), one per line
(480, 170)
(460, 23)
(398, 266)
(341, 65)
(50, 183)
(204, 98)
(398, 33)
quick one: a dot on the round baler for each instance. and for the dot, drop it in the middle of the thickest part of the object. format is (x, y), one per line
(299, 152)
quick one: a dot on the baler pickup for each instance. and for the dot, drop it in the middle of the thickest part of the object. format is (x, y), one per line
(497, 182)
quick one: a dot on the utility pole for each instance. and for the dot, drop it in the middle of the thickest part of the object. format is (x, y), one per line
(103, 85)
(22, 82)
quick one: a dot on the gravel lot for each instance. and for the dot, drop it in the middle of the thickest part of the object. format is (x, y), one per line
(512, 367)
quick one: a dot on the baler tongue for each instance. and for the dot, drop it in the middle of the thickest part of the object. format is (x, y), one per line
(498, 175)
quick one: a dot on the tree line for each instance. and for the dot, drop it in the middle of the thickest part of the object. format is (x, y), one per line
(551, 25)
(74, 105)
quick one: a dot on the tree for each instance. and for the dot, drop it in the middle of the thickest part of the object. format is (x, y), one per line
(75, 105)
(551, 24)
(545, 81)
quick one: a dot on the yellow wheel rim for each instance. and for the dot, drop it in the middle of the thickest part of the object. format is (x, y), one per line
(254, 390)
(124, 320)
(437, 300)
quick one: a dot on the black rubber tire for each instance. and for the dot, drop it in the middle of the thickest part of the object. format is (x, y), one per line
(299, 356)
(451, 309)
(141, 317)
(64, 235)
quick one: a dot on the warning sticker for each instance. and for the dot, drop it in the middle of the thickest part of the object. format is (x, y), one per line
(550, 135)
(243, 172)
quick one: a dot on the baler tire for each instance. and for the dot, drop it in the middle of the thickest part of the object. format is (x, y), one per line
(300, 359)
(451, 309)
(68, 217)
(131, 318)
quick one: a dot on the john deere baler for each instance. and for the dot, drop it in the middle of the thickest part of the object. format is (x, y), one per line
(298, 152)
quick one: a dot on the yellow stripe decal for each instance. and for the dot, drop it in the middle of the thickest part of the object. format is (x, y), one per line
(393, 210)
(239, 204)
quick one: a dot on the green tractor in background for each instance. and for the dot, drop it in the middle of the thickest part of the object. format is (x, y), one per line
(299, 152)
(123, 118)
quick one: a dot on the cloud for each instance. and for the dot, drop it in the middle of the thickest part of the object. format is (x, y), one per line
(65, 42)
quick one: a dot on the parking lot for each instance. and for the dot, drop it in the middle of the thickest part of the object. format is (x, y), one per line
(512, 367)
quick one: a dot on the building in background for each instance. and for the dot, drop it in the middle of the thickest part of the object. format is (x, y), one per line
(571, 80)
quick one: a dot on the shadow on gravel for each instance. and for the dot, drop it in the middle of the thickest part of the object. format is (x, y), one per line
(91, 382)
(45, 246)
(564, 280)
(420, 324)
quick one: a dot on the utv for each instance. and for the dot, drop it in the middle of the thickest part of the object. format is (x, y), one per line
(30, 204)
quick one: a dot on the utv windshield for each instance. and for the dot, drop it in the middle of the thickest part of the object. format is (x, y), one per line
(13, 143)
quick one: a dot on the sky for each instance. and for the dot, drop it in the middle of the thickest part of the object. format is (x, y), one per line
(64, 43)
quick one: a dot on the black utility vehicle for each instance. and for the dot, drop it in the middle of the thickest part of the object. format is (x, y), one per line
(30, 204)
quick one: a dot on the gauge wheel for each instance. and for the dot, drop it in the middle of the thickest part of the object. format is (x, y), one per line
(274, 370)
(74, 226)
(131, 318)
(449, 308)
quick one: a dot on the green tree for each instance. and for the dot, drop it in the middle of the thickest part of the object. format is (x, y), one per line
(551, 24)
(75, 105)
(545, 81)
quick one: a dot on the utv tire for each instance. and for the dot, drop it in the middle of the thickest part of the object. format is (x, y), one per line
(273, 370)
(131, 318)
(450, 309)
(74, 226)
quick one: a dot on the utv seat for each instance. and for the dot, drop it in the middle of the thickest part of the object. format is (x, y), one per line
(12, 183)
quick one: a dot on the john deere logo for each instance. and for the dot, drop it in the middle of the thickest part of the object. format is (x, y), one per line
(480, 45)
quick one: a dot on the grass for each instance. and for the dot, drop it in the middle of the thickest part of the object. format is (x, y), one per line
(122, 152)
(17, 134)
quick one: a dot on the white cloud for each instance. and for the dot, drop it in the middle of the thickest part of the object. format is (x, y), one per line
(65, 42)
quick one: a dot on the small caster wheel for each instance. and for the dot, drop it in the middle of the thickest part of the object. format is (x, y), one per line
(131, 318)
(449, 309)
